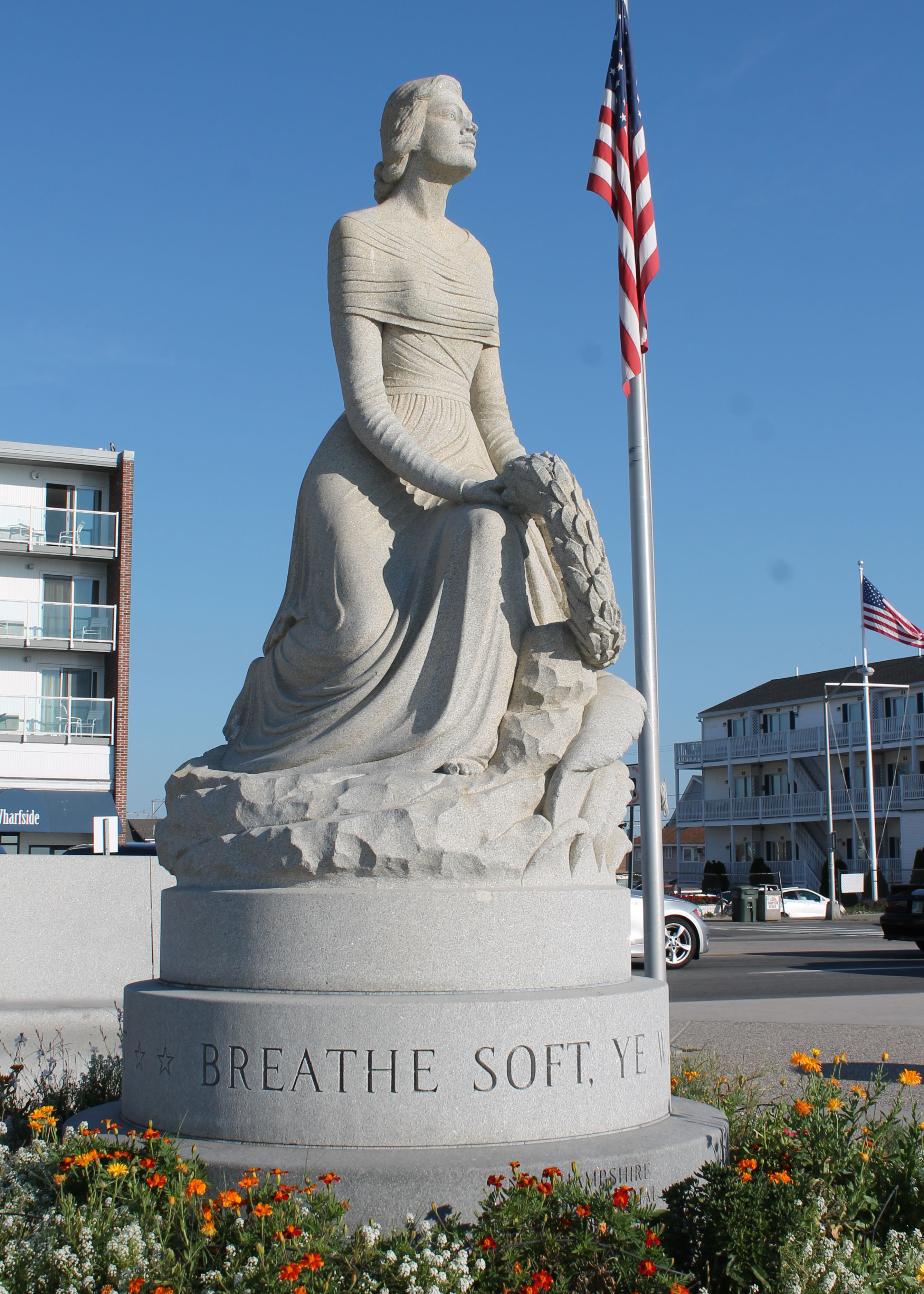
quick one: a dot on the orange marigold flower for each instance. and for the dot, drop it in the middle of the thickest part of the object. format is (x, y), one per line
(677, 1288)
(156, 1181)
(208, 1228)
(292, 1232)
(781, 1178)
(514, 1164)
(150, 1134)
(195, 1186)
(859, 1090)
(582, 1210)
(107, 1289)
(810, 1065)
(602, 1228)
(647, 1268)
(675, 1082)
(885, 1055)
(802, 1107)
(542, 1280)
(834, 1082)
(163, 1289)
(797, 1058)
(314, 1262)
(229, 1199)
(248, 1180)
(496, 1180)
(487, 1242)
(621, 1197)
(544, 1188)
(747, 1163)
(551, 1172)
(58, 1178)
(834, 1103)
(690, 1074)
(262, 1210)
(744, 1174)
(135, 1285)
(909, 1078)
(290, 1271)
(83, 1161)
(147, 1162)
(328, 1178)
(864, 1155)
(652, 1240)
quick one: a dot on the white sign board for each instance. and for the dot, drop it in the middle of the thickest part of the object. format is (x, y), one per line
(105, 835)
(852, 882)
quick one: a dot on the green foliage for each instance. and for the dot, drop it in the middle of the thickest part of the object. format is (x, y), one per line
(827, 1179)
(54, 1078)
(715, 877)
(917, 868)
(759, 873)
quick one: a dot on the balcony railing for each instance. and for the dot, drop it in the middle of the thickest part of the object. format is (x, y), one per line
(797, 741)
(82, 625)
(906, 795)
(62, 718)
(69, 530)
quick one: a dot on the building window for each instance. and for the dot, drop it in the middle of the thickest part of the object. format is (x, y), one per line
(774, 722)
(848, 848)
(851, 712)
(920, 702)
(895, 707)
(895, 849)
(775, 784)
(48, 849)
(744, 786)
(9, 843)
(737, 727)
(68, 513)
(770, 854)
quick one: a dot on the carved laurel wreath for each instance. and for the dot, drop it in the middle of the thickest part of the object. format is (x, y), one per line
(543, 487)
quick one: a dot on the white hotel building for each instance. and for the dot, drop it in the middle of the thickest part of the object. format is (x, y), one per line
(761, 758)
(65, 589)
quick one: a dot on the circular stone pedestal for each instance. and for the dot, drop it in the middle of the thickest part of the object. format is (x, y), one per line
(409, 1032)
(387, 1184)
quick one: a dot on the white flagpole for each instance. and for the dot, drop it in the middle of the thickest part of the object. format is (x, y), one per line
(872, 852)
(644, 622)
(645, 635)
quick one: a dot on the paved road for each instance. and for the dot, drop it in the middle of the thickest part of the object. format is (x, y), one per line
(795, 960)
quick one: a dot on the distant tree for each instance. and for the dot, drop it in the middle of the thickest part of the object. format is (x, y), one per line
(917, 868)
(759, 873)
(715, 877)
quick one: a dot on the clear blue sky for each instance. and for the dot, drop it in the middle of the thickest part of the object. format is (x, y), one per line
(170, 174)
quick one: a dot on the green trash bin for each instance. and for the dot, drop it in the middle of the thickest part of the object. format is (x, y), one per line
(744, 903)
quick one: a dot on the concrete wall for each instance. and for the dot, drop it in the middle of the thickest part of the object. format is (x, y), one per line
(74, 931)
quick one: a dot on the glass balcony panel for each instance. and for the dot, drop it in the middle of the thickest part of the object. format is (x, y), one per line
(93, 623)
(13, 619)
(55, 620)
(14, 522)
(95, 529)
(63, 717)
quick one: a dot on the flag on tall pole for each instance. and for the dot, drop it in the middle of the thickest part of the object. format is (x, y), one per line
(619, 174)
(880, 616)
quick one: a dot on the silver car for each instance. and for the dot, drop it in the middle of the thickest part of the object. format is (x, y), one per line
(686, 935)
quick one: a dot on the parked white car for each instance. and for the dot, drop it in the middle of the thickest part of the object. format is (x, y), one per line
(685, 933)
(801, 903)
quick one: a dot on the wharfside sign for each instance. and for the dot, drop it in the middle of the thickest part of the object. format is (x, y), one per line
(20, 818)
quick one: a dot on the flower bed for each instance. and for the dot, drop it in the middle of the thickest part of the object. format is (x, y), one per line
(823, 1194)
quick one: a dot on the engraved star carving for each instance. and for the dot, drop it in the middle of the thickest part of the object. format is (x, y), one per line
(139, 1056)
(166, 1060)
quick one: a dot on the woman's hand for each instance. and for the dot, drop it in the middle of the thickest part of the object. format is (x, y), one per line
(485, 492)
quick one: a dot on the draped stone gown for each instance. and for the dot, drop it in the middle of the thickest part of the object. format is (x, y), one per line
(405, 609)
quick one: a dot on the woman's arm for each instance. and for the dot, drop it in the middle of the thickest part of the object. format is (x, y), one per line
(489, 405)
(358, 347)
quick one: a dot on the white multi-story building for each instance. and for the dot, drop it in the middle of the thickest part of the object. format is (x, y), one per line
(761, 758)
(65, 589)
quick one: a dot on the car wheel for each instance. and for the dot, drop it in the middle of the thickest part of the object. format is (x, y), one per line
(680, 942)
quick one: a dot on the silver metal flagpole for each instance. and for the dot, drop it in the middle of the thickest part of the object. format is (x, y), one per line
(872, 852)
(644, 622)
(645, 633)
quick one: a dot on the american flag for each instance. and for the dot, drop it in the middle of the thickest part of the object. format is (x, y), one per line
(619, 173)
(881, 616)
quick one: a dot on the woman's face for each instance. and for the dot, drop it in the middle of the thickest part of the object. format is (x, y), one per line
(448, 140)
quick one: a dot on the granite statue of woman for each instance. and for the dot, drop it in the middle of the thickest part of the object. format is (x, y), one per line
(430, 698)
